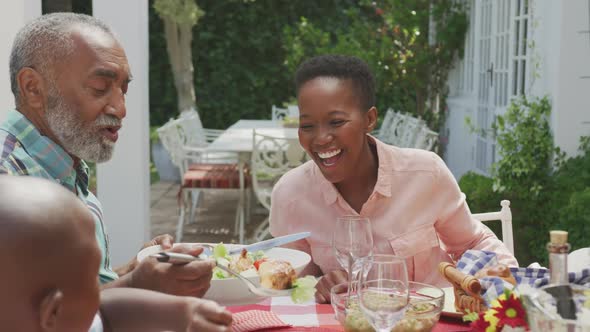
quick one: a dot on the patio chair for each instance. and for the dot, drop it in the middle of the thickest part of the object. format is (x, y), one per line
(395, 129)
(278, 114)
(505, 216)
(199, 171)
(271, 158)
(406, 131)
(426, 139)
(195, 138)
(386, 124)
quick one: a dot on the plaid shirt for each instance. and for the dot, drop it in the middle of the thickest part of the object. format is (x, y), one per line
(24, 151)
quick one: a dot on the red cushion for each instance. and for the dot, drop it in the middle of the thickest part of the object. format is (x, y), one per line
(214, 176)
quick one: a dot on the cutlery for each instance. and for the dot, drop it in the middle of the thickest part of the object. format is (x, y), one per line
(267, 244)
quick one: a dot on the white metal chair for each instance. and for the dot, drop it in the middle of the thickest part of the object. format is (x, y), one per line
(406, 131)
(386, 124)
(505, 216)
(292, 111)
(195, 138)
(426, 139)
(271, 158)
(199, 170)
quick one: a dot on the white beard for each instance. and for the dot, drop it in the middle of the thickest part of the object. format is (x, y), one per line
(79, 139)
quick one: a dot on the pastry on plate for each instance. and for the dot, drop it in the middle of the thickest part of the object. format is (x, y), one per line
(276, 274)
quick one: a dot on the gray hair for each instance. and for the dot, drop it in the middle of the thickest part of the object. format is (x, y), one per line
(43, 42)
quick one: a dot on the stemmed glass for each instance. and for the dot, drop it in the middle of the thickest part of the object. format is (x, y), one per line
(352, 239)
(383, 290)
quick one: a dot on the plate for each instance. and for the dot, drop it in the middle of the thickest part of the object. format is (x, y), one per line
(232, 291)
(449, 306)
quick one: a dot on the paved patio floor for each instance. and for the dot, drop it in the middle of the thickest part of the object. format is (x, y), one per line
(214, 219)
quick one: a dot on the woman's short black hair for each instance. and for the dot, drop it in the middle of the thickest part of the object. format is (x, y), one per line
(341, 67)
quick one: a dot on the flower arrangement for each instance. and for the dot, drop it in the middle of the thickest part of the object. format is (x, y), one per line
(506, 313)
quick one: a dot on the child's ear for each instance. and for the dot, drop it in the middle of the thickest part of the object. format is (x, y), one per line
(371, 117)
(50, 310)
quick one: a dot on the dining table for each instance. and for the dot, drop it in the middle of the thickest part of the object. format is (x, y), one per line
(311, 316)
(238, 139)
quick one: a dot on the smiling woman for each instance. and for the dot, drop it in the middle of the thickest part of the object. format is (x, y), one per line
(412, 200)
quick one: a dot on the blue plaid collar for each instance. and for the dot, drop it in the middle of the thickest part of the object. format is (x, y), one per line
(52, 157)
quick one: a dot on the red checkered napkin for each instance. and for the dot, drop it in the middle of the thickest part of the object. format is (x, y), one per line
(255, 320)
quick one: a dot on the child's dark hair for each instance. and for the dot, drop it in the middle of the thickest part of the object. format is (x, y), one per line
(341, 67)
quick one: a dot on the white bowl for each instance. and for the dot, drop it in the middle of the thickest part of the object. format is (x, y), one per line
(232, 291)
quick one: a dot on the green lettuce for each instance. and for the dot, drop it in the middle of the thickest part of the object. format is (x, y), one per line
(219, 251)
(303, 289)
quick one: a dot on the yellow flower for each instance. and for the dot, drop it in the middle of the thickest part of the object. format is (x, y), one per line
(490, 316)
(496, 302)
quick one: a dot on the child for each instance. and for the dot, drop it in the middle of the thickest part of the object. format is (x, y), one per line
(414, 204)
(50, 261)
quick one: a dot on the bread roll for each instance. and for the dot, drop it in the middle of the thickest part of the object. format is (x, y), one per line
(499, 270)
(276, 274)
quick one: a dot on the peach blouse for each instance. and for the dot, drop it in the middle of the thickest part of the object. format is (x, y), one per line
(416, 211)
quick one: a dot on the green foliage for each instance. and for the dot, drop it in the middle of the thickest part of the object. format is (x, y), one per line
(179, 11)
(154, 136)
(547, 190)
(526, 147)
(575, 217)
(523, 172)
(481, 197)
(572, 203)
(243, 66)
(238, 57)
(392, 37)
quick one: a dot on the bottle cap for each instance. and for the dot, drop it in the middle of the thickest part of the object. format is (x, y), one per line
(558, 237)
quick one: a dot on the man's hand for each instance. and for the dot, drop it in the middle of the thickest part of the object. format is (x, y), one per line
(326, 283)
(165, 241)
(204, 315)
(192, 279)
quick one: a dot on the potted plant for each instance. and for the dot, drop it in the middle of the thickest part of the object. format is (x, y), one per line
(162, 160)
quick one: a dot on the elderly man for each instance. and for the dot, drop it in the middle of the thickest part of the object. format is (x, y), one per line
(69, 76)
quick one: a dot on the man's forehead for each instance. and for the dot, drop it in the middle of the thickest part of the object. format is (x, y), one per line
(93, 36)
(103, 51)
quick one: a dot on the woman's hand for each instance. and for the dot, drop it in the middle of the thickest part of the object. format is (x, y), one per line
(326, 283)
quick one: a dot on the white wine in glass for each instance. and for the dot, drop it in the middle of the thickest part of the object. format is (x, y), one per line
(383, 290)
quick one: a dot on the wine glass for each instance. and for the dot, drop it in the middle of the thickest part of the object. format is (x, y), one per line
(383, 290)
(352, 239)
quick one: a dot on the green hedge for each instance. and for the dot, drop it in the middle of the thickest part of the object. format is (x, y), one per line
(239, 58)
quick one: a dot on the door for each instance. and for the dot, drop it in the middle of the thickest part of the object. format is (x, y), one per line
(493, 74)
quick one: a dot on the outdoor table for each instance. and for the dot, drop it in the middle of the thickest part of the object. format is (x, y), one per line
(239, 139)
(311, 316)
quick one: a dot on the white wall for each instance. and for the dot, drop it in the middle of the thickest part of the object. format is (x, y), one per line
(124, 181)
(459, 155)
(13, 16)
(571, 107)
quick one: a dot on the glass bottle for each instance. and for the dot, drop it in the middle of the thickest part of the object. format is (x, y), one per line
(559, 286)
(558, 248)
